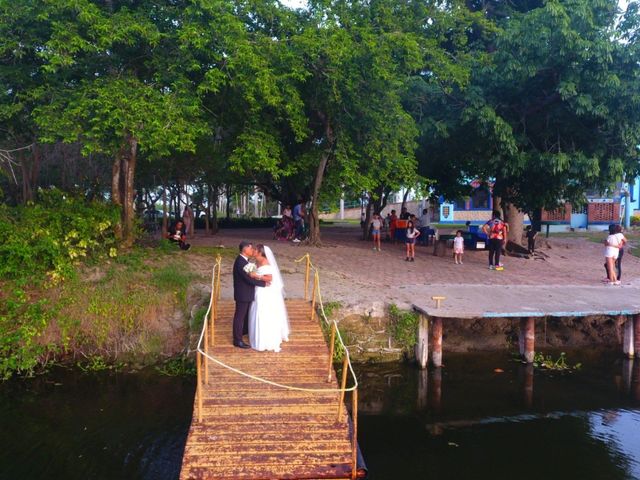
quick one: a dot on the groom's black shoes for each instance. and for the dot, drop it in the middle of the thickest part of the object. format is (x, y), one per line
(241, 345)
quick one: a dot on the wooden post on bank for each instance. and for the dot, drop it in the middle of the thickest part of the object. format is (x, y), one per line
(199, 386)
(436, 342)
(422, 347)
(628, 344)
(313, 297)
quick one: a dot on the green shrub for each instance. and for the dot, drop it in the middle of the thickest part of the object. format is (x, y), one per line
(403, 326)
(635, 220)
(45, 240)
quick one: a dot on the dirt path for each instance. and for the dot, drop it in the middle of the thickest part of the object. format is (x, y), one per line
(364, 280)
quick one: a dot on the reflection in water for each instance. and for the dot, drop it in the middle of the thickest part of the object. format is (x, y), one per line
(467, 421)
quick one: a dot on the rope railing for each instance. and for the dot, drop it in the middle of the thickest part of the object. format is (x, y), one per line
(206, 342)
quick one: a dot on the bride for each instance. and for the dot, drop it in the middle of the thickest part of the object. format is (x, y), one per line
(268, 319)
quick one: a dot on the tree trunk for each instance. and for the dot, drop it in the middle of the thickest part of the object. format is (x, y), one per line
(404, 199)
(515, 218)
(228, 205)
(314, 215)
(128, 209)
(367, 219)
(116, 190)
(165, 211)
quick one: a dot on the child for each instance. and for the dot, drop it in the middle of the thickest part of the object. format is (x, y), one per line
(458, 247)
(412, 234)
(615, 241)
(531, 239)
(376, 226)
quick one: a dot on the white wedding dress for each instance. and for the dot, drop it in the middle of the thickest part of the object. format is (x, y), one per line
(268, 319)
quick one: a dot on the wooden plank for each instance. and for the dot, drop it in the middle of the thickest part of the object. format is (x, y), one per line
(254, 430)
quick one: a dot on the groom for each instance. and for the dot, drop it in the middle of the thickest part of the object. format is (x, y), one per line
(243, 292)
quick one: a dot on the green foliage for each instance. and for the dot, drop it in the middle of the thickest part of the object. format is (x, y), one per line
(635, 220)
(547, 362)
(404, 327)
(50, 237)
(178, 367)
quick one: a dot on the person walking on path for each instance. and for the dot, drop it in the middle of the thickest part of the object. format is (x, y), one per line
(412, 234)
(495, 230)
(531, 239)
(187, 219)
(458, 247)
(376, 227)
(392, 226)
(243, 292)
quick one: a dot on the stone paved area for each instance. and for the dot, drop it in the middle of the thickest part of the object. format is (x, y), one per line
(365, 280)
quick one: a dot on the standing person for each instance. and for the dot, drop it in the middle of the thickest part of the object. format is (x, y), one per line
(496, 233)
(392, 226)
(243, 292)
(298, 219)
(412, 234)
(615, 241)
(187, 219)
(268, 319)
(404, 214)
(376, 227)
(458, 247)
(531, 239)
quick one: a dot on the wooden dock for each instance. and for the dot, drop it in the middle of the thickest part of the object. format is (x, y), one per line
(253, 430)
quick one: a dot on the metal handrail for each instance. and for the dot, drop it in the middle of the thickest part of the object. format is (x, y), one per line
(206, 341)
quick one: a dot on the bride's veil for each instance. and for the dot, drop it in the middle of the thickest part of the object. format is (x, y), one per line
(276, 281)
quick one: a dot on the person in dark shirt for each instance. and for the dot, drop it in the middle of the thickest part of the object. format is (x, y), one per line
(177, 234)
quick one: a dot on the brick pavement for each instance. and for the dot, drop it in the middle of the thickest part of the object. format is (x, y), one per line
(365, 280)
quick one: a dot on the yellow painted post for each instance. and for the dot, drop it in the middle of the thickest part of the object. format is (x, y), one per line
(199, 387)
(306, 277)
(313, 297)
(354, 438)
(206, 350)
(218, 277)
(331, 349)
(343, 384)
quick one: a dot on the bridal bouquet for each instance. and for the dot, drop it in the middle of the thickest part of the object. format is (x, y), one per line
(250, 267)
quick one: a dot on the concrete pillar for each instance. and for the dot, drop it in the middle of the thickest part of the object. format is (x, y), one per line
(527, 339)
(636, 334)
(436, 342)
(341, 208)
(422, 347)
(523, 325)
(279, 208)
(628, 345)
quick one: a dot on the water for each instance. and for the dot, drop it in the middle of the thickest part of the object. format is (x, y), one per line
(468, 422)
(464, 422)
(71, 425)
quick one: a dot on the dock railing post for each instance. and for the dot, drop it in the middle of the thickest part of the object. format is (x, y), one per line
(354, 439)
(199, 386)
(206, 351)
(331, 350)
(306, 277)
(313, 296)
(343, 384)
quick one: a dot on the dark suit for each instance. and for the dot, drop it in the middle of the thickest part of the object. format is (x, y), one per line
(243, 294)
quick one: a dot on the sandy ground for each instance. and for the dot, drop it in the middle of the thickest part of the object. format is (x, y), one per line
(364, 281)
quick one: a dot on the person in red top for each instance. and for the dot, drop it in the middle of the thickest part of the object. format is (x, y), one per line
(496, 231)
(392, 226)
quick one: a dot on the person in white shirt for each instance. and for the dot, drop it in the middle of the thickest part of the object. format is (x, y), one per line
(376, 227)
(412, 234)
(615, 241)
(458, 247)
